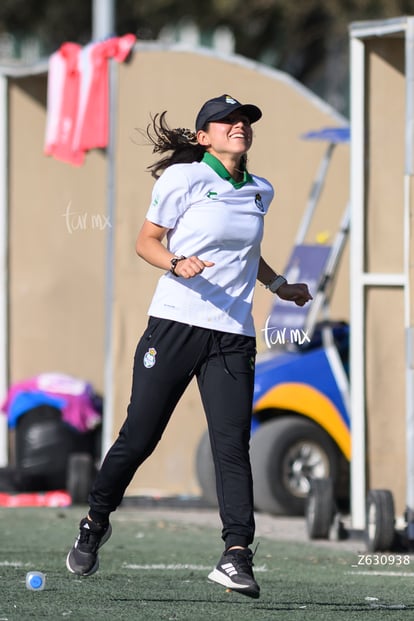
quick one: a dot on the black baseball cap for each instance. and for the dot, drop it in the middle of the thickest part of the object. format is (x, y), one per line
(220, 107)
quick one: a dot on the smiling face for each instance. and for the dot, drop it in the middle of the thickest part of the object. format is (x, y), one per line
(228, 138)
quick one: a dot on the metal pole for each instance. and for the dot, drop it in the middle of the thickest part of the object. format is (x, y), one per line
(409, 329)
(109, 268)
(103, 19)
(103, 26)
(357, 315)
(4, 344)
(314, 195)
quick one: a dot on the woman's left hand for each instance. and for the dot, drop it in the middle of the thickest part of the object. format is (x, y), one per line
(296, 292)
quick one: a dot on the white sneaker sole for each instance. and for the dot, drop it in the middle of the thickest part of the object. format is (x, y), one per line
(96, 566)
(220, 578)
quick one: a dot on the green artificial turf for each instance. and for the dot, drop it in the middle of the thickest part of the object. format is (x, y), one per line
(155, 570)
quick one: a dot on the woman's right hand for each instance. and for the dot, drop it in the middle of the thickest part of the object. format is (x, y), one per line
(191, 266)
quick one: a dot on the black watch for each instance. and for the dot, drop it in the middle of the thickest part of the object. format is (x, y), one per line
(277, 282)
(174, 262)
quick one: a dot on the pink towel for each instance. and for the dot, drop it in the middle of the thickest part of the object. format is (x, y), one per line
(78, 395)
(78, 97)
(62, 101)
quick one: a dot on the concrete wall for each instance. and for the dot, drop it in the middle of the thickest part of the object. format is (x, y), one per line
(57, 256)
(385, 346)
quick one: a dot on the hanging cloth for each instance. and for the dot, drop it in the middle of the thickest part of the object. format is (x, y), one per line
(78, 97)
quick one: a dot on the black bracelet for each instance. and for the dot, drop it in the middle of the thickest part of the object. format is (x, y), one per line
(174, 262)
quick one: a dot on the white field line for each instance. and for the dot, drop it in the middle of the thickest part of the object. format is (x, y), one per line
(394, 574)
(13, 564)
(178, 567)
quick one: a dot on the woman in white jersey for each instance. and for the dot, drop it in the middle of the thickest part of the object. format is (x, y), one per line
(203, 228)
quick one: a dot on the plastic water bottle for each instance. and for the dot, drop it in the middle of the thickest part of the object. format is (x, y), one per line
(35, 580)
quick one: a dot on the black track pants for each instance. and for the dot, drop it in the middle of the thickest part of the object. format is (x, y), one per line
(167, 357)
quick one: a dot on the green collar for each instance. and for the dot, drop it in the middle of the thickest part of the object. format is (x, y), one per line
(222, 171)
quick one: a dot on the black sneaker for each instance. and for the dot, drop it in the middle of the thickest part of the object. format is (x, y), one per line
(83, 557)
(235, 571)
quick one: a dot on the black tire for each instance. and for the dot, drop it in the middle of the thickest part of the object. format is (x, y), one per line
(42, 445)
(338, 532)
(319, 508)
(285, 454)
(9, 481)
(380, 521)
(80, 473)
(205, 470)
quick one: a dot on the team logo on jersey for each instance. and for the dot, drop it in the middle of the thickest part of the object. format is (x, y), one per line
(149, 358)
(212, 195)
(259, 202)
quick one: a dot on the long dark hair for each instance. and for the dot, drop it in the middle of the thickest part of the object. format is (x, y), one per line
(180, 141)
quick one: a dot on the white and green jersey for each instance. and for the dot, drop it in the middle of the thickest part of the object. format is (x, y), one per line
(217, 219)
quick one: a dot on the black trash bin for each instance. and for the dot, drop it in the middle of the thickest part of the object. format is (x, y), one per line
(51, 454)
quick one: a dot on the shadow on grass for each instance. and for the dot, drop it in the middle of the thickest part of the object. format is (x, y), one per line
(270, 606)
